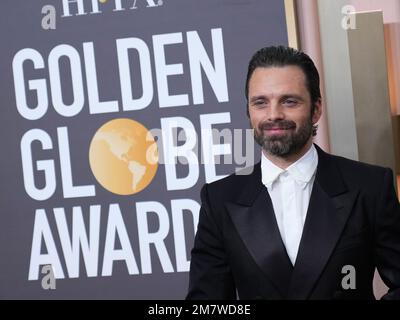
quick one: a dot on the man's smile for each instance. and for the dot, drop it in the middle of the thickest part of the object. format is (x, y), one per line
(277, 130)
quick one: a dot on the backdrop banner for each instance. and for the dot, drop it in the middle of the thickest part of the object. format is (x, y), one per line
(114, 113)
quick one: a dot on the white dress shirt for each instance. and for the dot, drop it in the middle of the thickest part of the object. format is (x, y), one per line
(290, 192)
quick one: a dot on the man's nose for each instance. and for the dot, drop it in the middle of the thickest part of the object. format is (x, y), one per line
(275, 112)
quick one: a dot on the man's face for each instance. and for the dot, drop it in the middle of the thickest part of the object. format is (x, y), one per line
(280, 110)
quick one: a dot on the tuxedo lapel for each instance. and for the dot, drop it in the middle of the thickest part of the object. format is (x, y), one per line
(329, 208)
(254, 219)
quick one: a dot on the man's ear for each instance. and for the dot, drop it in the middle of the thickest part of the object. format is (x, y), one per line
(317, 111)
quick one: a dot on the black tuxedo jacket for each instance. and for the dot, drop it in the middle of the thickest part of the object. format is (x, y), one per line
(353, 219)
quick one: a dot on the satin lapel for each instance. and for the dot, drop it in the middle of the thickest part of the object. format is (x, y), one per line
(254, 220)
(329, 208)
(325, 221)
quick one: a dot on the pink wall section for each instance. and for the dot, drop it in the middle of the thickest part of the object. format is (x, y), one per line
(308, 27)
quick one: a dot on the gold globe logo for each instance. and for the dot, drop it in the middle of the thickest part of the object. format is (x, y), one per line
(123, 156)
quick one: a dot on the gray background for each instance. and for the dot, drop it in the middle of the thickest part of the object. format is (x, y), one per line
(246, 26)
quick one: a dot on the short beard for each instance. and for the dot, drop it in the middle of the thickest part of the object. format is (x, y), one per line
(284, 146)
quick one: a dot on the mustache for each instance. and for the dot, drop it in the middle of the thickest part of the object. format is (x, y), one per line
(280, 124)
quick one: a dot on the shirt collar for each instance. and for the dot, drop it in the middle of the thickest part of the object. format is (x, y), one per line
(301, 171)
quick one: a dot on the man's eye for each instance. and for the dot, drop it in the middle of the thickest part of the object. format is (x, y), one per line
(259, 102)
(290, 102)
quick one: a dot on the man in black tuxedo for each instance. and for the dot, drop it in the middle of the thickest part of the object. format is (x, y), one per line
(304, 224)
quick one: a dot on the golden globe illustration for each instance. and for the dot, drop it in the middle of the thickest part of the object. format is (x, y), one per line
(123, 156)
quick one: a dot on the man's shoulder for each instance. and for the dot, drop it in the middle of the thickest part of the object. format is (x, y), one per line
(359, 171)
(350, 164)
(232, 185)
